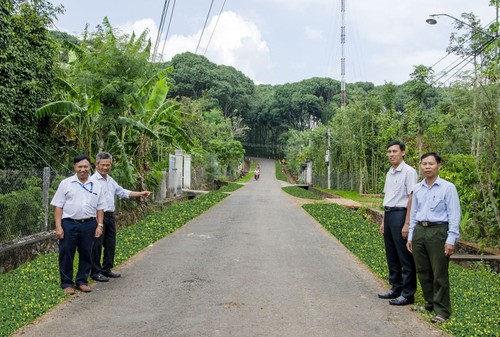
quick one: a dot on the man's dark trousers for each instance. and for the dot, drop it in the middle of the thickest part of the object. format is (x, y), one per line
(402, 274)
(108, 242)
(81, 236)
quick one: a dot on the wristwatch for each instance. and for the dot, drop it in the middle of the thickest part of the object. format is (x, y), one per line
(100, 225)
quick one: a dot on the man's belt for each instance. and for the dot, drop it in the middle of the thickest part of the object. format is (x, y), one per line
(80, 220)
(393, 209)
(431, 223)
(109, 212)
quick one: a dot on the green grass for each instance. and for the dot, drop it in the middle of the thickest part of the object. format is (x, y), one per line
(475, 293)
(301, 193)
(371, 201)
(230, 187)
(33, 289)
(280, 174)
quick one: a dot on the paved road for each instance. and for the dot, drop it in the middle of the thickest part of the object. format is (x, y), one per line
(255, 265)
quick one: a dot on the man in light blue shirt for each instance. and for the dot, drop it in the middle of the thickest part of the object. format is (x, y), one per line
(434, 230)
(102, 272)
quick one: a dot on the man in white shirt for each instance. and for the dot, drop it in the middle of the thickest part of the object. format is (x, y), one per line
(77, 203)
(110, 187)
(399, 183)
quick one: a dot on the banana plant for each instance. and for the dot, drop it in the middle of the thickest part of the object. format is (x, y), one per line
(151, 123)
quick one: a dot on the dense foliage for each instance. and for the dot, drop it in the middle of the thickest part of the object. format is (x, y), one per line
(474, 293)
(28, 59)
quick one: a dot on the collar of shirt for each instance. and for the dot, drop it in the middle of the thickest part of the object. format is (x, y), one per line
(98, 176)
(74, 178)
(393, 170)
(436, 182)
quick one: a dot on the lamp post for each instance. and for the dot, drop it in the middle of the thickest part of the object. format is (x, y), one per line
(432, 21)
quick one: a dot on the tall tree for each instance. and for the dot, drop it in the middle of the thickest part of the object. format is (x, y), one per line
(28, 59)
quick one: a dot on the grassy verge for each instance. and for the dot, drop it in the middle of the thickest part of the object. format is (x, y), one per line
(280, 174)
(372, 202)
(475, 293)
(33, 289)
(249, 176)
(301, 193)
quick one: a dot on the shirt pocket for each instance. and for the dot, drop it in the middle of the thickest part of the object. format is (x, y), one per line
(437, 205)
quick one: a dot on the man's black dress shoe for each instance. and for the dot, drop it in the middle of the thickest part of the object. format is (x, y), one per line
(402, 300)
(110, 274)
(388, 295)
(99, 277)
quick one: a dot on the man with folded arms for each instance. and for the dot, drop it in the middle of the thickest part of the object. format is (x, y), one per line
(399, 183)
(78, 202)
(434, 230)
(110, 187)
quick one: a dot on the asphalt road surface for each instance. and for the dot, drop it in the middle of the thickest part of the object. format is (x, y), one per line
(256, 264)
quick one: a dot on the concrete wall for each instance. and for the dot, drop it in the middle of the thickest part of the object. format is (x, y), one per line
(12, 255)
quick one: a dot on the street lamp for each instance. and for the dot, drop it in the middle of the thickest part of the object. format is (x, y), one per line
(432, 20)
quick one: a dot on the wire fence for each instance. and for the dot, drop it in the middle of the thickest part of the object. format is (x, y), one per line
(24, 202)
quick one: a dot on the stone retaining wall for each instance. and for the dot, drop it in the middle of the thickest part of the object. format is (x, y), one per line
(13, 254)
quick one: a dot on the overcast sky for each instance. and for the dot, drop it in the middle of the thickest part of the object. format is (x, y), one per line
(280, 41)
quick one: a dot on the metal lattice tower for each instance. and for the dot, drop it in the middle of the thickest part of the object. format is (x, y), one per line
(342, 60)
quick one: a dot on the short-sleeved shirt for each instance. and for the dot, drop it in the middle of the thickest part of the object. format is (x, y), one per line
(77, 200)
(436, 203)
(398, 185)
(111, 188)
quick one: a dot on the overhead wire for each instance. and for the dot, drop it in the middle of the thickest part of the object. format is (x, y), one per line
(215, 27)
(204, 26)
(168, 29)
(166, 4)
(444, 71)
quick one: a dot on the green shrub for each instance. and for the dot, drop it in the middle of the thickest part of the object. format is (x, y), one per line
(22, 211)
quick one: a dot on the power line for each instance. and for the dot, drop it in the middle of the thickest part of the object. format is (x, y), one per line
(204, 26)
(168, 29)
(166, 4)
(213, 31)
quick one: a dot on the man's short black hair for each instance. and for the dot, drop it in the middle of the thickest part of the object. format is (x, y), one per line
(81, 157)
(434, 154)
(402, 146)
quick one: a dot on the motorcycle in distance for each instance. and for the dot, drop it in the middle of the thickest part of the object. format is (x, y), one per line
(256, 174)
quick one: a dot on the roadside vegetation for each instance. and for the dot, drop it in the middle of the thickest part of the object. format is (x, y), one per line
(301, 193)
(366, 201)
(280, 173)
(475, 292)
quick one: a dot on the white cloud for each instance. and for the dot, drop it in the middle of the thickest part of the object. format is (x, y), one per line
(138, 27)
(231, 41)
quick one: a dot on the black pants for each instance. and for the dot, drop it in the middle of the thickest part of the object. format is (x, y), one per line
(106, 241)
(402, 274)
(76, 236)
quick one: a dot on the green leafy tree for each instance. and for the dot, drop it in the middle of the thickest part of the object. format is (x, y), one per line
(28, 59)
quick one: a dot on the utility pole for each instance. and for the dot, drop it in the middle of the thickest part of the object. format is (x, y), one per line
(329, 160)
(342, 60)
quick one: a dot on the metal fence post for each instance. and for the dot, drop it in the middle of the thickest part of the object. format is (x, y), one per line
(45, 198)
